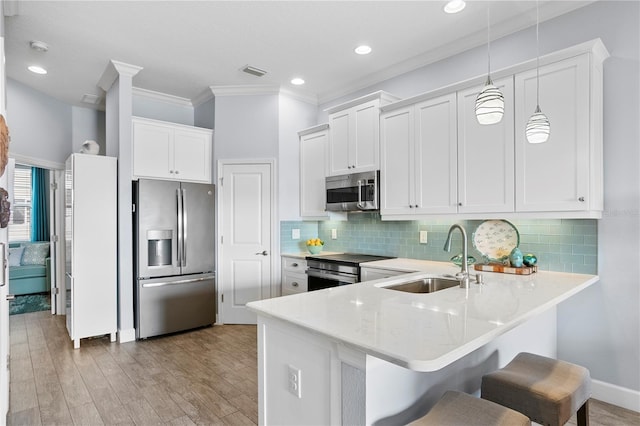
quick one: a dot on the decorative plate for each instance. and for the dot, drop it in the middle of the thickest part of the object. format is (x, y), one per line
(495, 239)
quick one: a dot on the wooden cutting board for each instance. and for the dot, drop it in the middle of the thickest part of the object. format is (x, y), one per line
(523, 270)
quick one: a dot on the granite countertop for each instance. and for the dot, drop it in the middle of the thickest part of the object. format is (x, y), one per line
(423, 332)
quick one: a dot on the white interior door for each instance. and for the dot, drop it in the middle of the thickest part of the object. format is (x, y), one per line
(6, 182)
(246, 240)
(53, 250)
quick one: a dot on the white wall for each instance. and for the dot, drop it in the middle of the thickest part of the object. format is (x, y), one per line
(87, 124)
(39, 125)
(599, 328)
(144, 106)
(294, 115)
(204, 114)
(246, 127)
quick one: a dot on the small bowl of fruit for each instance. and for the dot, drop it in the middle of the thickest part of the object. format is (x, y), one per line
(315, 245)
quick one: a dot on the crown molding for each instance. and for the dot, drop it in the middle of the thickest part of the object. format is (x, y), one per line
(241, 90)
(113, 70)
(309, 98)
(204, 96)
(162, 97)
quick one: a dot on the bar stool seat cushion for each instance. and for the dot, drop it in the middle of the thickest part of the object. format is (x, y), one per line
(547, 390)
(457, 408)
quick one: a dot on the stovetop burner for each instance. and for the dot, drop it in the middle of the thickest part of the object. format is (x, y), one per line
(351, 258)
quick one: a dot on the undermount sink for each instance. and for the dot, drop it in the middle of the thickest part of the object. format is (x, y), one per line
(425, 285)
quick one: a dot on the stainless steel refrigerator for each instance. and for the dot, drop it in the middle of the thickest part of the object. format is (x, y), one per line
(175, 243)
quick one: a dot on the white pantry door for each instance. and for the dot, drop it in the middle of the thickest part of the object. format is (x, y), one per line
(246, 224)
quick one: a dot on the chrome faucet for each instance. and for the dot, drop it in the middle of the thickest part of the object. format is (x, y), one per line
(463, 275)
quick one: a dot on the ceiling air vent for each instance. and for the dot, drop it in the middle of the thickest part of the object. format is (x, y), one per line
(91, 99)
(253, 71)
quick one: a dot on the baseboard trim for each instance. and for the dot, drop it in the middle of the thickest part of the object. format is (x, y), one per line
(128, 335)
(616, 395)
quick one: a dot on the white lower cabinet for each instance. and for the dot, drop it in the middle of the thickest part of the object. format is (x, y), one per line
(294, 277)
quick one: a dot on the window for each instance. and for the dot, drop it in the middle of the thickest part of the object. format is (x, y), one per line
(20, 222)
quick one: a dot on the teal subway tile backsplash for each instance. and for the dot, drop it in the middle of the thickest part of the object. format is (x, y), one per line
(564, 245)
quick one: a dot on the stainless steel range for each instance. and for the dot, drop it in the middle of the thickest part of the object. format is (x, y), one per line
(332, 270)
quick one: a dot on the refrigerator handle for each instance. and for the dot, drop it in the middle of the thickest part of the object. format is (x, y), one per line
(179, 208)
(184, 227)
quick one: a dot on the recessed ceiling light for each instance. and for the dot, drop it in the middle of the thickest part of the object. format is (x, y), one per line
(362, 50)
(297, 81)
(36, 69)
(454, 6)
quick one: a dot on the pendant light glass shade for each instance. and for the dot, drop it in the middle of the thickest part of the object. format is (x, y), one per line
(489, 104)
(538, 127)
(490, 101)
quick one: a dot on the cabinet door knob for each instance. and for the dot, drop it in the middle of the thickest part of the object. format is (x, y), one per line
(177, 172)
(170, 171)
(295, 265)
(581, 199)
(459, 204)
(294, 284)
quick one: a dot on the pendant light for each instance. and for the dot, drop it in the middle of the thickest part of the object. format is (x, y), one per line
(538, 126)
(490, 102)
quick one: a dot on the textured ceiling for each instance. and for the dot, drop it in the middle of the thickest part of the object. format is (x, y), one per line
(186, 46)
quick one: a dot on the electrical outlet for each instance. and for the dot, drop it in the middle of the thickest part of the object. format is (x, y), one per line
(423, 237)
(293, 378)
(334, 234)
(295, 234)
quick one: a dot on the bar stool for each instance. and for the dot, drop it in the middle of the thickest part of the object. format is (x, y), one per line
(457, 408)
(546, 390)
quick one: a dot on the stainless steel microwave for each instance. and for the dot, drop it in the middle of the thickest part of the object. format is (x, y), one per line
(353, 192)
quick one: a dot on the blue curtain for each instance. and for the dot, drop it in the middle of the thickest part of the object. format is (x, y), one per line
(39, 205)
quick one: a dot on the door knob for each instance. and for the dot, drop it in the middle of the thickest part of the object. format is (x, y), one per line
(11, 297)
(264, 253)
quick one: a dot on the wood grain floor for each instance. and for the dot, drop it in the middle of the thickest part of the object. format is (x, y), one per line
(207, 376)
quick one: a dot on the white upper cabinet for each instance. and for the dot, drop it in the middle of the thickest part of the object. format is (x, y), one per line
(418, 171)
(397, 169)
(437, 159)
(164, 150)
(556, 175)
(314, 148)
(354, 134)
(485, 155)
(435, 156)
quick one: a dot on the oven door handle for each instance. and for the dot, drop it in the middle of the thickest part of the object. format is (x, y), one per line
(332, 275)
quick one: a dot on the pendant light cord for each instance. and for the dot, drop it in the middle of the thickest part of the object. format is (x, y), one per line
(488, 42)
(537, 55)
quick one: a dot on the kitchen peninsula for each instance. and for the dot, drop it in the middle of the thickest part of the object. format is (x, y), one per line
(365, 354)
